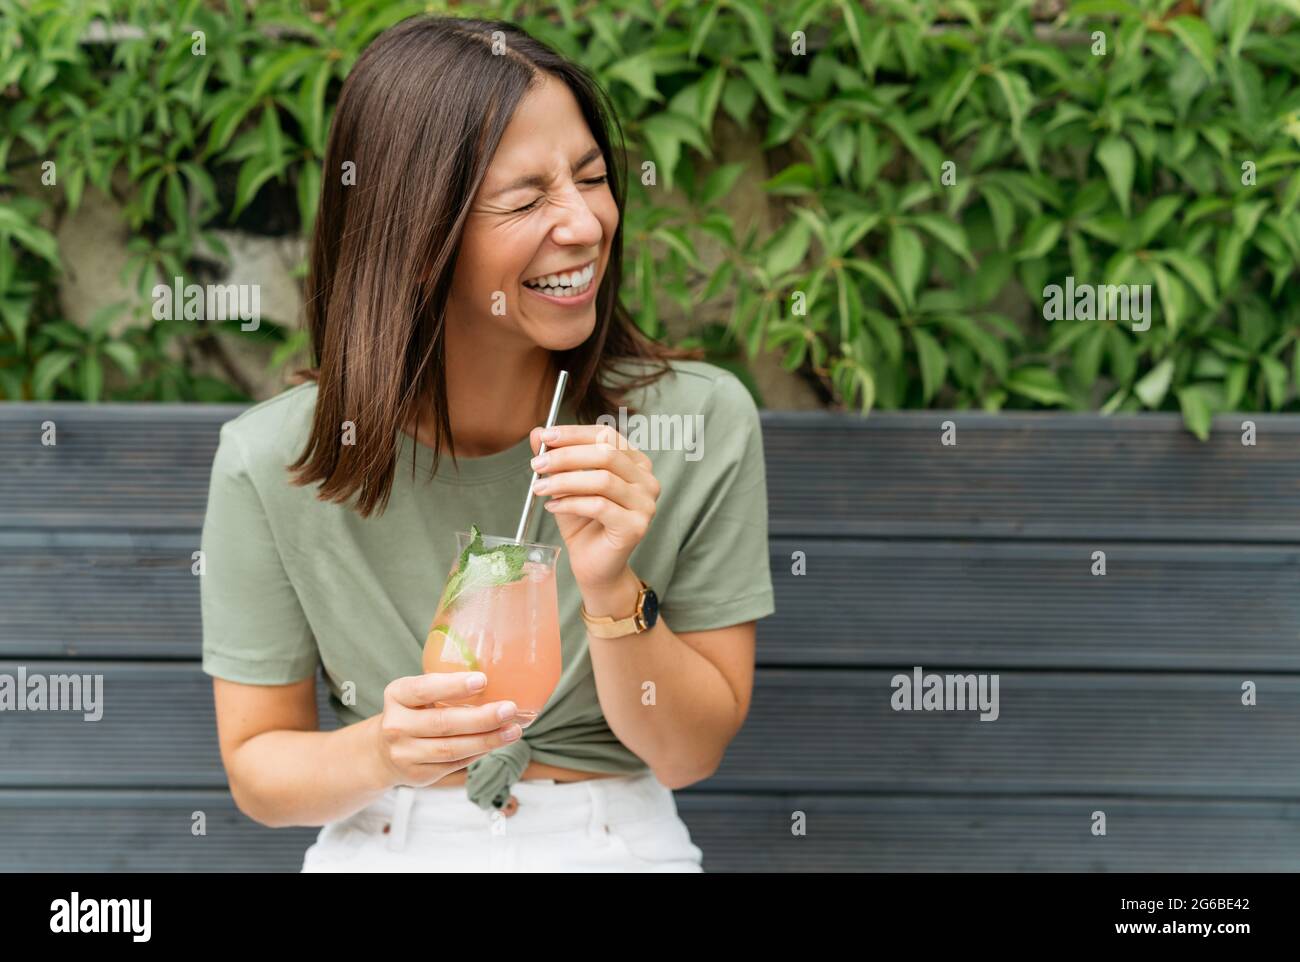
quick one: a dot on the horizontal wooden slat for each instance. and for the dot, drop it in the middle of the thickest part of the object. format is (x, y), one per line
(1034, 604)
(114, 466)
(808, 730)
(1001, 604)
(1057, 732)
(1010, 475)
(99, 595)
(131, 831)
(158, 728)
(1024, 475)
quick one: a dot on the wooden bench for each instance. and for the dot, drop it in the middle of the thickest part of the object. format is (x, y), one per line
(1119, 693)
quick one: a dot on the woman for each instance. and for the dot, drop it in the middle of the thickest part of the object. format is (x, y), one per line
(466, 161)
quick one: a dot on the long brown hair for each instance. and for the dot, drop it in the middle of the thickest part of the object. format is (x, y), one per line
(420, 115)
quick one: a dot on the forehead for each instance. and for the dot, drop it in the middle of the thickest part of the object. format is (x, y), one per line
(546, 134)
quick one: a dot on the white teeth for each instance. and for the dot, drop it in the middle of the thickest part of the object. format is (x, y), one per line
(565, 280)
(558, 291)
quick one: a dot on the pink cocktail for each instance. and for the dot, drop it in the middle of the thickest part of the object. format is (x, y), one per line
(499, 614)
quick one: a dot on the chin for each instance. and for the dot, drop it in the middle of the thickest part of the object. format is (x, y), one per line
(563, 338)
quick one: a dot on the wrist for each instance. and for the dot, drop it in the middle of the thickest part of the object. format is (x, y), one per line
(616, 599)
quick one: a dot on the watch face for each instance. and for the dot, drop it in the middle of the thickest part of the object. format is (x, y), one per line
(650, 608)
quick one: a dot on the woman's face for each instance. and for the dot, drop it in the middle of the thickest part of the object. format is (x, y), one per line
(543, 215)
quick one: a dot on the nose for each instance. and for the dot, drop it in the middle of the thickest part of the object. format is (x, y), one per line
(575, 224)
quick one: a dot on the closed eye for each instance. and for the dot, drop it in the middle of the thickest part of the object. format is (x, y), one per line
(590, 180)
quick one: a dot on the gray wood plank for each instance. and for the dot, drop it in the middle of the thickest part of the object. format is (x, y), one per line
(134, 466)
(99, 595)
(1058, 732)
(1026, 604)
(132, 831)
(1013, 475)
(1010, 475)
(811, 730)
(1034, 604)
(854, 833)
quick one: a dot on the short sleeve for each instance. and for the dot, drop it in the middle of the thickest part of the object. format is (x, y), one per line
(254, 629)
(723, 575)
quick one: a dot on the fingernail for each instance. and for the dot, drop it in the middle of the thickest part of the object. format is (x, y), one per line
(511, 733)
(539, 486)
(476, 681)
(540, 462)
(551, 434)
(507, 710)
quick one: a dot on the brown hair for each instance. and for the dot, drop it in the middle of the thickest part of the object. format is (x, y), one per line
(421, 114)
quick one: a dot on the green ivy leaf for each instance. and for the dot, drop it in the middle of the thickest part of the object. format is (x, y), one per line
(255, 172)
(1001, 212)
(907, 258)
(880, 279)
(1194, 272)
(1172, 296)
(1273, 372)
(947, 232)
(1243, 14)
(1041, 236)
(1038, 384)
(933, 363)
(1154, 385)
(787, 249)
(759, 26)
(48, 369)
(1197, 414)
(92, 378)
(1197, 37)
(638, 72)
(765, 81)
(1115, 155)
(1019, 98)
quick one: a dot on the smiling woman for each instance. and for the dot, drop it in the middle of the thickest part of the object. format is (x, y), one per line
(483, 161)
(478, 253)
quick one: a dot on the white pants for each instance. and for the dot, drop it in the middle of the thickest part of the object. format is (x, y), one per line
(625, 823)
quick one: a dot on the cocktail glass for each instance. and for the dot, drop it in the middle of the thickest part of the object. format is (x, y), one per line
(499, 614)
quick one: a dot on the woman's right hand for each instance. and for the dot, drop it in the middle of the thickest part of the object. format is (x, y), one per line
(420, 744)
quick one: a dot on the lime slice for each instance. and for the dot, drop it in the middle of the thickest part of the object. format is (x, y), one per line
(465, 648)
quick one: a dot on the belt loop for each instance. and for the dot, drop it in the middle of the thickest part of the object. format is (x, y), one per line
(599, 811)
(401, 817)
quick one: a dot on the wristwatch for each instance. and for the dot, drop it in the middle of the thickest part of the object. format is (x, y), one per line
(642, 619)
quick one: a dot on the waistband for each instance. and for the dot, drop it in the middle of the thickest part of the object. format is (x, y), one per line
(545, 805)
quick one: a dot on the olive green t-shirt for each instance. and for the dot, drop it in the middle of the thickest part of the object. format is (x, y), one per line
(292, 581)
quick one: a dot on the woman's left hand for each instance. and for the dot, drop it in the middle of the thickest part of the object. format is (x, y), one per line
(602, 492)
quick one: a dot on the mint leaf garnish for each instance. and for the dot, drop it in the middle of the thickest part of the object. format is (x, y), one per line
(481, 567)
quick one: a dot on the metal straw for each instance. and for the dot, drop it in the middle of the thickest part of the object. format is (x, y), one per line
(560, 383)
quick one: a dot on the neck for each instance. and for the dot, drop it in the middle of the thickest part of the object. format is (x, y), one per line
(494, 398)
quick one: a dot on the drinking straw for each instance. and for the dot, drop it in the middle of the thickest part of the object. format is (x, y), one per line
(560, 382)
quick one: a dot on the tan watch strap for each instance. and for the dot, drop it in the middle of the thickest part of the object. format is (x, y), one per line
(607, 626)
